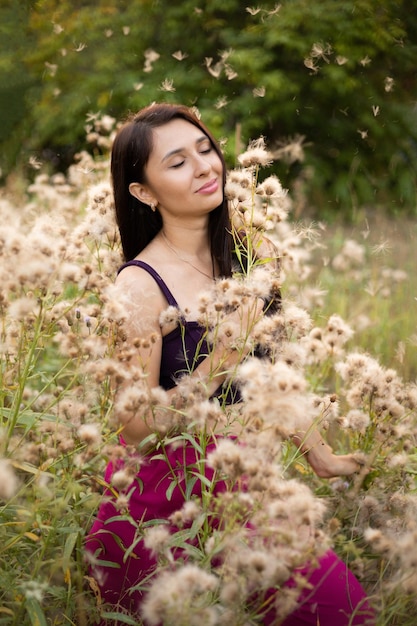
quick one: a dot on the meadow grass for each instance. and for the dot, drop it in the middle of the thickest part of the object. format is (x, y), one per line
(376, 295)
(59, 326)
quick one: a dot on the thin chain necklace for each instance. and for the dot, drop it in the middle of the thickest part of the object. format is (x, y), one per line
(170, 246)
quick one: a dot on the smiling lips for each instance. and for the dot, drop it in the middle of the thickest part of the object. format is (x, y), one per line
(209, 187)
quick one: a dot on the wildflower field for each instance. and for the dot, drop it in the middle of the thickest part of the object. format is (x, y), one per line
(343, 355)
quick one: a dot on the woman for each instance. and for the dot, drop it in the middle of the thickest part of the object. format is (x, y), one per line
(168, 177)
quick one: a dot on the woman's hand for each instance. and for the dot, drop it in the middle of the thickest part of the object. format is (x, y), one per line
(323, 461)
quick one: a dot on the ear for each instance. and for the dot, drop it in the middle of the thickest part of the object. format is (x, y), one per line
(141, 193)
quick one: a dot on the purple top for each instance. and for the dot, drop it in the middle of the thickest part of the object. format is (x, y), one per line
(184, 347)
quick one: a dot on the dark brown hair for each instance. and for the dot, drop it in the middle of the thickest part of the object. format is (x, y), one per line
(132, 148)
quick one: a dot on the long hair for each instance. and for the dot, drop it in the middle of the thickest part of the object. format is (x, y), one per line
(131, 150)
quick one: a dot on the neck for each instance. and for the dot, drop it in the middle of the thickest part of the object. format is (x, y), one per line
(199, 258)
(192, 241)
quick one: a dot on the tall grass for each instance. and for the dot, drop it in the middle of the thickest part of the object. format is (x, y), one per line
(60, 323)
(372, 284)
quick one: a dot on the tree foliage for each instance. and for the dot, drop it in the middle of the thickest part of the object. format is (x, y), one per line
(339, 74)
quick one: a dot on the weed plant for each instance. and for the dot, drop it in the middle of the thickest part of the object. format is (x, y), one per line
(347, 319)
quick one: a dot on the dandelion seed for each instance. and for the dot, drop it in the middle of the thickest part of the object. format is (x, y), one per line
(375, 110)
(365, 61)
(321, 51)
(382, 248)
(57, 28)
(108, 33)
(92, 117)
(275, 10)
(341, 60)
(290, 151)
(126, 30)
(35, 163)
(151, 56)
(388, 84)
(230, 73)
(363, 133)
(80, 47)
(179, 56)
(253, 10)
(137, 86)
(167, 85)
(214, 71)
(221, 102)
(259, 92)
(310, 64)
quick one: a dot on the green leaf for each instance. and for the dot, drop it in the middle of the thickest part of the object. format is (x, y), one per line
(68, 550)
(119, 617)
(170, 489)
(35, 612)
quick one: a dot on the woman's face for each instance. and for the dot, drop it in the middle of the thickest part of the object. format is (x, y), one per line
(184, 174)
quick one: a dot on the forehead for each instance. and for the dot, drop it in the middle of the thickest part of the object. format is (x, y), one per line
(175, 135)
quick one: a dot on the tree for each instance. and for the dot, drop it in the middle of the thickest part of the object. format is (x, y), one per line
(339, 74)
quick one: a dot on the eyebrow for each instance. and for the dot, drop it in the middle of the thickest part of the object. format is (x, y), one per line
(179, 150)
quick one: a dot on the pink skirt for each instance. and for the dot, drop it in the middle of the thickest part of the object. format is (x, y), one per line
(122, 565)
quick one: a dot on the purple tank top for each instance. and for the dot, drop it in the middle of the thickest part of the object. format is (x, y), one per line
(184, 347)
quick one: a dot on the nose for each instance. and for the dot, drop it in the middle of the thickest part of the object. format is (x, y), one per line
(203, 165)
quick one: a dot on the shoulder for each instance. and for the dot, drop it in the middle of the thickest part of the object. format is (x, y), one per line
(137, 288)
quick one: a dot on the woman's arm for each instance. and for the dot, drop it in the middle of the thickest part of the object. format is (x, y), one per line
(321, 458)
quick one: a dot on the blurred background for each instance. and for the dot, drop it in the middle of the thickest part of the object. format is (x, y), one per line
(330, 84)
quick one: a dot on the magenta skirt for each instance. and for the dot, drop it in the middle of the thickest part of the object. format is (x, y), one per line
(121, 564)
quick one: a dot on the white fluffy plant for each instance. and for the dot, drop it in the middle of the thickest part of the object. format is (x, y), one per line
(58, 250)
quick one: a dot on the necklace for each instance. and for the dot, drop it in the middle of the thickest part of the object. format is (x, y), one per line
(171, 247)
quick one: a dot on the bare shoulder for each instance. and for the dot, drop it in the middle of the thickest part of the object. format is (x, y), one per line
(139, 283)
(141, 297)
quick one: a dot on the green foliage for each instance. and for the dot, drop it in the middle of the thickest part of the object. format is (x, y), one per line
(340, 74)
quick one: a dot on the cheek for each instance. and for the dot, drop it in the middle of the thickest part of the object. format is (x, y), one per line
(217, 164)
(173, 185)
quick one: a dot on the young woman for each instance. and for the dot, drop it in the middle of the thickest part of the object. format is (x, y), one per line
(168, 178)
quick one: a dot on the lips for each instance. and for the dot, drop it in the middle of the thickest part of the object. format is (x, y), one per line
(210, 187)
